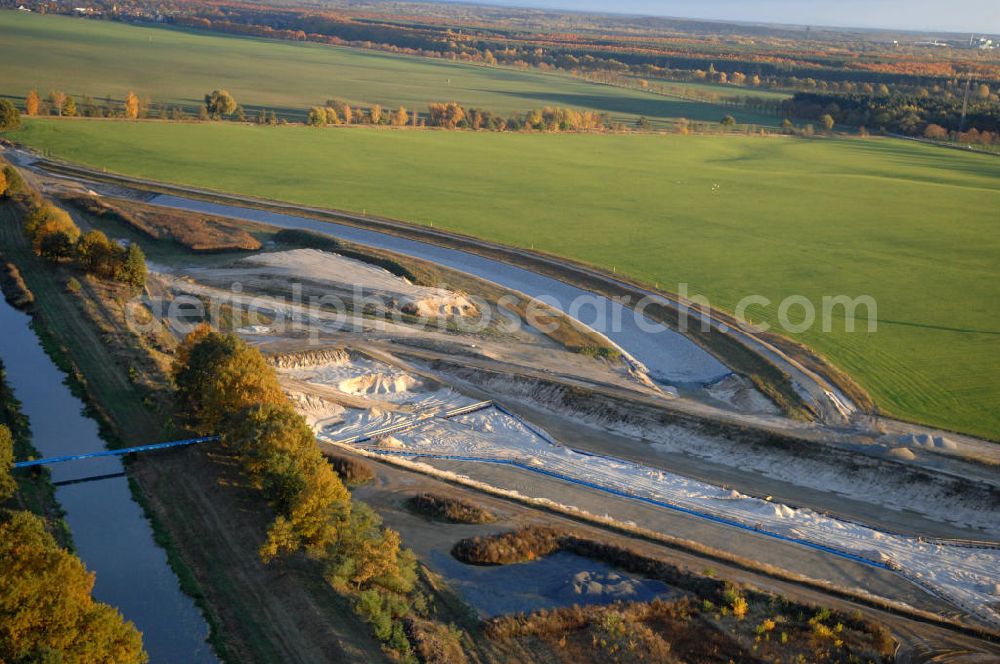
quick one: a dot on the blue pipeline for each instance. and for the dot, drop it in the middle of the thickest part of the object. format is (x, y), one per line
(121, 452)
(650, 501)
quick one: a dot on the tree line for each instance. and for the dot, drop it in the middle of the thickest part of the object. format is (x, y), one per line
(932, 117)
(218, 104)
(55, 236)
(47, 612)
(227, 387)
(452, 115)
(775, 64)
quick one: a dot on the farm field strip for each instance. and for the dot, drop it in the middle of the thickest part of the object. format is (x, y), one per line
(98, 58)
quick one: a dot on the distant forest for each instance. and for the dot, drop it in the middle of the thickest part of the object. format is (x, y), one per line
(860, 82)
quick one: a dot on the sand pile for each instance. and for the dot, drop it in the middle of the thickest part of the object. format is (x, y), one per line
(352, 279)
(901, 453)
(379, 383)
(927, 442)
(311, 358)
(391, 442)
(317, 411)
(589, 587)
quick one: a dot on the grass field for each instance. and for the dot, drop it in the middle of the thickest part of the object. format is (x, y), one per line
(102, 58)
(912, 225)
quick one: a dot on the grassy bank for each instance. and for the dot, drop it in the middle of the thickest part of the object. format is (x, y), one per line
(99, 58)
(908, 224)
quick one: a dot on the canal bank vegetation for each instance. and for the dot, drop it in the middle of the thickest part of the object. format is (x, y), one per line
(202, 512)
(14, 289)
(712, 620)
(228, 387)
(47, 613)
(56, 237)
(33, 490)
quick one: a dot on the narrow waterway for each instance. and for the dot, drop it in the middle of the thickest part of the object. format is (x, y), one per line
(110, 532)
(669, 356)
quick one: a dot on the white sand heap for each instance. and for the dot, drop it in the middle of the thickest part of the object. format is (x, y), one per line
(368, 281)
(379, 383)
(927, 441)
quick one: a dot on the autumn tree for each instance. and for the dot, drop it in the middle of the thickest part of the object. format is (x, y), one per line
(32, 103)
(222, 375)
(96, 253)
(316, 117)
(400, 117)
(47, 613)
(45, 220)
(219, 103)
(7, 484)
(343, 109)
(447, 115)
(983, 92)
(132, 106)
(369, 555)
(56, 100)
(134, 270)
(69, 107)
(935, 132)
(278, 451)
(10, 117)
(56, 246)
(827, 122)
(728, 121)
(375, 114)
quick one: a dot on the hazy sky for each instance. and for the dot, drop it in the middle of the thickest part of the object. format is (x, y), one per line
(930, 15)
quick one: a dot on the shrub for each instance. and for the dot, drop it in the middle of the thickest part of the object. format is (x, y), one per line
(434, 643)
(51, 231)
(13, 286)
(516, 546)
(449, 509)
(351, 470)
(72, 285)
(15, 184)
(308, 239)
(10, 117)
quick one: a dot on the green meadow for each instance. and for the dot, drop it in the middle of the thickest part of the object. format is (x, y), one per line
(103, 58)
(913, 226)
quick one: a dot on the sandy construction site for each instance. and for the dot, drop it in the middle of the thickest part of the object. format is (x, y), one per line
(447, 382)
(395, 354)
